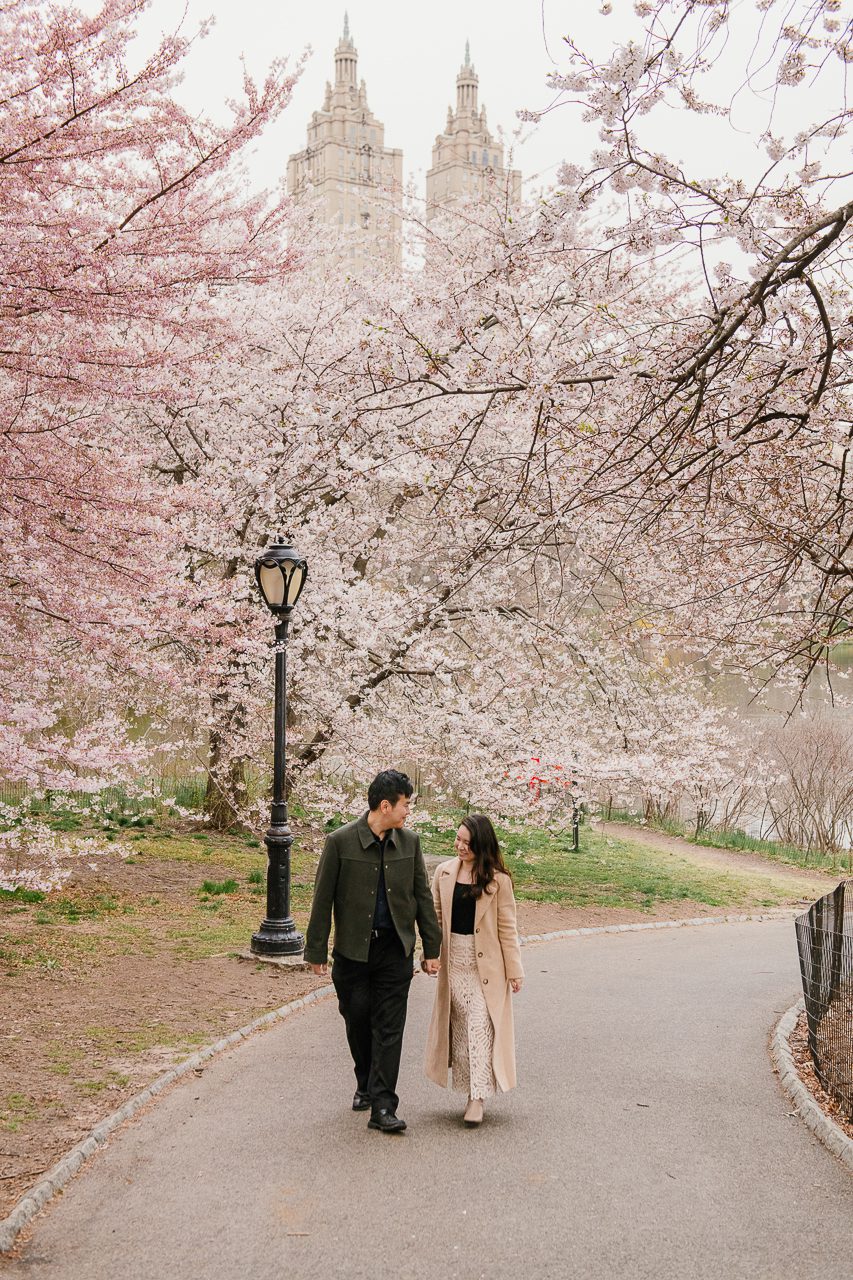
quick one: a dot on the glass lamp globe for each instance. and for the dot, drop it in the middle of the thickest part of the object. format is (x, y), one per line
(280, 572)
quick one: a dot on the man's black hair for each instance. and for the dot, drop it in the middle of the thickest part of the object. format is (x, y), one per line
(388, 785)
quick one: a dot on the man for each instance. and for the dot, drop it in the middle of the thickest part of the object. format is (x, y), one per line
(373, 877)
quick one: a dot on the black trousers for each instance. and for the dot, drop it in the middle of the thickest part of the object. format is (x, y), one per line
(372, 997)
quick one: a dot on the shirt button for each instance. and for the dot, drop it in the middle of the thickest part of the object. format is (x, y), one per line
(479, 953)
(477, 930)
(485, 982)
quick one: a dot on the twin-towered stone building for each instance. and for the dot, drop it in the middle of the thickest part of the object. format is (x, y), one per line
(356, 182)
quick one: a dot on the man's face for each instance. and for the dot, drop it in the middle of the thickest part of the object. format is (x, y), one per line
(397, 813)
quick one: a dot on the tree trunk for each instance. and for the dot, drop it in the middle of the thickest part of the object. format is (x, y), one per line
(226, 793)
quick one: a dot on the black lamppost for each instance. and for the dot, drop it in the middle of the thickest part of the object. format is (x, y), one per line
(280, 573)
(576, 819)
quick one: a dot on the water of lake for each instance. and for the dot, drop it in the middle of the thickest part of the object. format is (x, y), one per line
(784, 710)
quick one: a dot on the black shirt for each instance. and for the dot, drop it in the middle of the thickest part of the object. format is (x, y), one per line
(382, 912)
(464, 905)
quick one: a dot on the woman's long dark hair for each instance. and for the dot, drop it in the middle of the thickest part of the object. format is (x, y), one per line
(486, 851)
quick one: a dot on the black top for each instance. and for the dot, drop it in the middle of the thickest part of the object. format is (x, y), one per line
(382, 911)
(462, 915)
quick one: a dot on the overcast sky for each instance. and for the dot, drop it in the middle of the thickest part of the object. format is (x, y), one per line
(409, 55)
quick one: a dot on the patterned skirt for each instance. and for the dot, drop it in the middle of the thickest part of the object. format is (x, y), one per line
(472, 1035)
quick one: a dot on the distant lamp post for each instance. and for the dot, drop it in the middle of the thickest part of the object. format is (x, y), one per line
(576, 818)
(280, 572)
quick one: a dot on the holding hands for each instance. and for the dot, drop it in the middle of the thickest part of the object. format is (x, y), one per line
(429, 966)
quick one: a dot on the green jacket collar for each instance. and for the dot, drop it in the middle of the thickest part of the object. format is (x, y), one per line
(367, 837)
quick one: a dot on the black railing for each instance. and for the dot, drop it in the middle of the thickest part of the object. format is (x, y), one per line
(825, 944)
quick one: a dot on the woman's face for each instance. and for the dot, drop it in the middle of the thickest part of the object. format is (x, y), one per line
(463, 845)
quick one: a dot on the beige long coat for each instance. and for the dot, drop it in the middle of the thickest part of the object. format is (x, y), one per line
(498, 960)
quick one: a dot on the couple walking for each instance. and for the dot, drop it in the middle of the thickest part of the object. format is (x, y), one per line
(373, 879)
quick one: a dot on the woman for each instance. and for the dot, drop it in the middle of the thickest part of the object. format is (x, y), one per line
(471, 1029)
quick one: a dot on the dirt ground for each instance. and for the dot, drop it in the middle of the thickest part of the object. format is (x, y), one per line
(799, 1043)
(83, 1029)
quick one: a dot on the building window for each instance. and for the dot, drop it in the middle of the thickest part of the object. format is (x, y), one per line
(365, 221)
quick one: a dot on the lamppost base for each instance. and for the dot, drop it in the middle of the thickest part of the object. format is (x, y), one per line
(278, 938)
(275, 962)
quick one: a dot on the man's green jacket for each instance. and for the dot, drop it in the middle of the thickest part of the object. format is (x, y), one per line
(346, 884)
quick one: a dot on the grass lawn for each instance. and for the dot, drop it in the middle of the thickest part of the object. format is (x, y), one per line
(607, 872)
(192, 895)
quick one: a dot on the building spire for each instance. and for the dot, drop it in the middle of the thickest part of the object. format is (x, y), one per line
(346, 60)
(466, 85)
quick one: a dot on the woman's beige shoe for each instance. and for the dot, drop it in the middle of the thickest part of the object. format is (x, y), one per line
(473, 1113)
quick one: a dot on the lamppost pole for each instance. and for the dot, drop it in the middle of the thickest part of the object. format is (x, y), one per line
(576, 819)
(280, 573)
(279, 797)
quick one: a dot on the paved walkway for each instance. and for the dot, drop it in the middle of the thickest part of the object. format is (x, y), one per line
(649, 1138)
(811, 882)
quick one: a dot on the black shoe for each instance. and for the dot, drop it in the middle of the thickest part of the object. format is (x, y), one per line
(360, 1101)
(386, 1121)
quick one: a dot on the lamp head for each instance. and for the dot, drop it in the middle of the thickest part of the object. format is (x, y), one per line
(280, 572)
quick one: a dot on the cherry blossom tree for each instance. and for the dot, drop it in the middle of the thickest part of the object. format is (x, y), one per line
(122, 214)
(685, 417)
(735, 446)
(641, 431)
(585, 435)
(435, 628)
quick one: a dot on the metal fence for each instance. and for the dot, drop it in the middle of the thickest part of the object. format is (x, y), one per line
(825, 944)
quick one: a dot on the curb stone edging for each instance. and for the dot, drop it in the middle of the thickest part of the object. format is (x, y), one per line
(805, 1106)
(63, 1171)
(781, 913)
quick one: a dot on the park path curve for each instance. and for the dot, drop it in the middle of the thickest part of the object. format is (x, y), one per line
(649, 1138)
